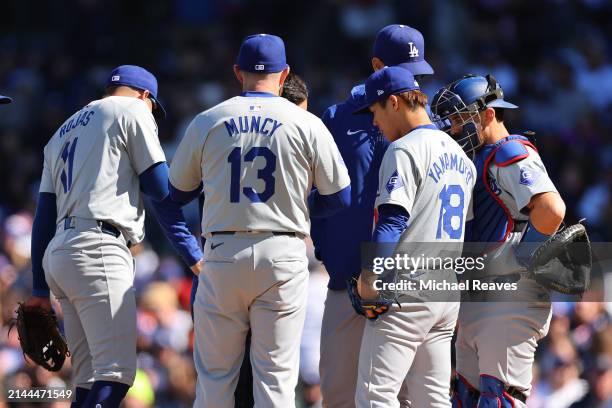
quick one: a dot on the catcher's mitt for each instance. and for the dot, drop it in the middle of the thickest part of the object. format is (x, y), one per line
(563, 263)
(368, 308)
(40, 337)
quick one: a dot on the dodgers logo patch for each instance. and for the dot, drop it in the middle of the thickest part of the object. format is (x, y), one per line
(528, 177)
(395, 182)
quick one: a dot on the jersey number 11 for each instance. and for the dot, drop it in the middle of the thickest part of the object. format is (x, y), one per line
(68, 158)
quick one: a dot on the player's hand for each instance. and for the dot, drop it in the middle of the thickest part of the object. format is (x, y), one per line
(197, 267)
(365, 285)
(37, 301)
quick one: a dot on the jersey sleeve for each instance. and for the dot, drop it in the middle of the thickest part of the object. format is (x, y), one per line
(525, 179)
(186, 166)
(46, 180)
(398, 179)
(142, 141)
(330, 173)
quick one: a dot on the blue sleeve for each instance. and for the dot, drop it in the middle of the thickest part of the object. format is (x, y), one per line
(170, 217)
(531, 240)
(184, 197)
(43, 231)
(392, 222)
(154, 181)
(325, 205)
(168, 213)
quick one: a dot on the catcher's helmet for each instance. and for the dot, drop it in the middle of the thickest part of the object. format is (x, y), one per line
(467, 96)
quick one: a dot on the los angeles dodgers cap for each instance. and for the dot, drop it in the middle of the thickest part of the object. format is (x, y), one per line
(262, 53)
(401, 45)
(136, 77)
(386, 82)
(5, 99)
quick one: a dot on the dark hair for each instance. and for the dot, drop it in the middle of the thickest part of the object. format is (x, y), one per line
(110, 90)
(499, 114)
(294, 89)
(413, 99)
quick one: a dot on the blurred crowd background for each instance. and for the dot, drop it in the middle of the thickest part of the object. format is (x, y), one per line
(552, 57)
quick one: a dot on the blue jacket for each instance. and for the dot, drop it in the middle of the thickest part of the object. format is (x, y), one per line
(338, 238)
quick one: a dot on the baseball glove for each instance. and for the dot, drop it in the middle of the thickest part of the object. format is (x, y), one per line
(563, 263)
(368, 308)
(40, 337)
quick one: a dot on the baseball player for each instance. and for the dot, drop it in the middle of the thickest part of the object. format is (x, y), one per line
(90, 211)
(338, 238)
(426, 182)
(516, 208)
(256, 156)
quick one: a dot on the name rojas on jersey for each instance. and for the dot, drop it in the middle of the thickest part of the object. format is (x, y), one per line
(81, 118)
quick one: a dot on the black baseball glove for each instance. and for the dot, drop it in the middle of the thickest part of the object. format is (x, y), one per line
(563, 263)
(368, 308)
(40, 337)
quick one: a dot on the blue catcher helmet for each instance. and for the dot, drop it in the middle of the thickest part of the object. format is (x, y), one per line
(456, 107)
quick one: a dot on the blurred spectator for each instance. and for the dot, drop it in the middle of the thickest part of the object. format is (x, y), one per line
(171, 326)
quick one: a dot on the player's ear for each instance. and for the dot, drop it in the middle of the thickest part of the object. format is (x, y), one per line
(377, 64)
(489, 115)
(238, 74)
(283, 76)
(394, 102)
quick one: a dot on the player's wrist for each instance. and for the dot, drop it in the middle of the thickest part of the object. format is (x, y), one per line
(531, 240)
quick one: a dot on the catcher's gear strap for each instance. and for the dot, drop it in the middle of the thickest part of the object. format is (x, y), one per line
(507, 155)
(495, 394)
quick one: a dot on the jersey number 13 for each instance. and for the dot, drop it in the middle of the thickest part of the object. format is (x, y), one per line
(266, 174)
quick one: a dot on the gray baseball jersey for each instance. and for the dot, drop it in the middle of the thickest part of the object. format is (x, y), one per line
(519, 182)
(258, 158)
(93, 161)
(516, 185)
(429, 175)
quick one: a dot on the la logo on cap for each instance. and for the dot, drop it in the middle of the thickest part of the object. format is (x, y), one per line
(115, 78)
(380, 92)
(414, 51)
(259, 67)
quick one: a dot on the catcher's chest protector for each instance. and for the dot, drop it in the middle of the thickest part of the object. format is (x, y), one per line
(492, 219)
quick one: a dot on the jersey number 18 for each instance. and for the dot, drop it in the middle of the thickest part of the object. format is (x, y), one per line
(451, 211)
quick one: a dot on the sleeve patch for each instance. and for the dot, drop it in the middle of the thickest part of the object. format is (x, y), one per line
(528, 176)
(395, 182)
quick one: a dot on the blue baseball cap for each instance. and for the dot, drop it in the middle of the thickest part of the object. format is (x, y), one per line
(386, 82)
(139, 78)
(5, 99)
(262, 53)
(404, 46)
